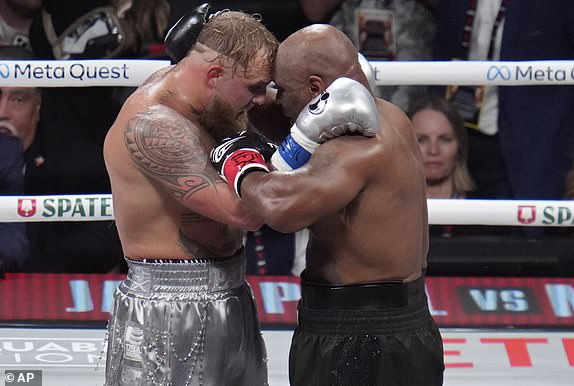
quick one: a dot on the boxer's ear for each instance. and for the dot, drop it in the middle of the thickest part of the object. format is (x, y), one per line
(213, 73)
(315, 85)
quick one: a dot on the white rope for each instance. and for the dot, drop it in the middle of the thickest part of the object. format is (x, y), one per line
(551, 72)
(87, 73)
(98, 207)
(501, 212)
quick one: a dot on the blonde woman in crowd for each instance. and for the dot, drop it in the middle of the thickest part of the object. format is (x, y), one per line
(444, 145)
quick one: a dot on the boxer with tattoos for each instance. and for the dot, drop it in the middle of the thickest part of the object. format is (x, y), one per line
(185, 314)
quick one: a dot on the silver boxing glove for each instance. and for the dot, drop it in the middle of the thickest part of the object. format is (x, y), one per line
(345, 107)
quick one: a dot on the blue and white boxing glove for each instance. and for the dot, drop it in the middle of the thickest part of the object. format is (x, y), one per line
(345, 107)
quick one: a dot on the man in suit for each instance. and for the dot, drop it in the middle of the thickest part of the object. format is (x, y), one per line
(534, 124)
(14, 246)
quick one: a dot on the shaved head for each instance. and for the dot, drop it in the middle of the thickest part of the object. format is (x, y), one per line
(319, 49)
(309, 60)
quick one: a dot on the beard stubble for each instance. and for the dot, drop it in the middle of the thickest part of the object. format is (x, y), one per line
(221, 121)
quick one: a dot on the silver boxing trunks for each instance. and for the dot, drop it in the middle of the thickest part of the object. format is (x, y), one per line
(191, 323)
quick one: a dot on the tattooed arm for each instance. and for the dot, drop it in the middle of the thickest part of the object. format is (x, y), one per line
(171, 150)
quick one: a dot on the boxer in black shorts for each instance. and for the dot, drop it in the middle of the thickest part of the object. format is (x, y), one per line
(370, 334)
(363, 314)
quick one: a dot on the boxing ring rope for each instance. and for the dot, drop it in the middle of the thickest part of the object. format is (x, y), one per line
(131, 73)
(98, 207)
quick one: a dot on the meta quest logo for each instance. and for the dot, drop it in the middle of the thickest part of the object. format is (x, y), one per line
(524, 72)
(4, 71)
(496, 72)
(79, 71)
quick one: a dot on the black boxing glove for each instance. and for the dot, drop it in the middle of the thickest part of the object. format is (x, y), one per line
(234, 157)
(184, 33)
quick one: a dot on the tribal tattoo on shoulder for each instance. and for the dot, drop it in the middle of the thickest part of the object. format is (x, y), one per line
(164, 145)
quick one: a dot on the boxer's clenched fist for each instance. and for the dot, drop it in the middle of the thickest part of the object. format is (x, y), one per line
(234, 157)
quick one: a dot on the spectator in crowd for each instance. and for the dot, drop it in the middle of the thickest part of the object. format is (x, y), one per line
(270, 252)
(19, 114)
(26, 126)
(383, 30)
(67, 150)
(54, 246)
(66, 156)
(144, 23)
(281, 17)
(443, 141)
(14, 245)
(520, 138)
(444, 145)
(15, 20)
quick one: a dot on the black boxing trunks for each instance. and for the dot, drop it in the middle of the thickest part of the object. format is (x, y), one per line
(192, 323)
(365, 335)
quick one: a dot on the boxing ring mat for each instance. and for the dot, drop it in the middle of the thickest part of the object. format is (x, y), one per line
(70, 357)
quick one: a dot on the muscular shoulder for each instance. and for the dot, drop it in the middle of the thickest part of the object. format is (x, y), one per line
(349, 153)
(392, 116)
(395, 126)
(156, 76)
(160, 116)
(161, 137)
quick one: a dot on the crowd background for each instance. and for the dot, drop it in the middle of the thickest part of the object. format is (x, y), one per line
(505, 142)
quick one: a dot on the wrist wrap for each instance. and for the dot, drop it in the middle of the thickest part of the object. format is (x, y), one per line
(294, 152)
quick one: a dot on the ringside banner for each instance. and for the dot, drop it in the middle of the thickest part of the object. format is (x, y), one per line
(77, 73)
(454, 301)
(89, 207)
(98, 207)
(118, 72)
(474, 73)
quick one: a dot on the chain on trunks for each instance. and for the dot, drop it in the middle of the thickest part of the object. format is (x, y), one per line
(185, 323)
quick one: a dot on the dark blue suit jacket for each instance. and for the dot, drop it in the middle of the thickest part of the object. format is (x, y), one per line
(14, 246)
(536, 123)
